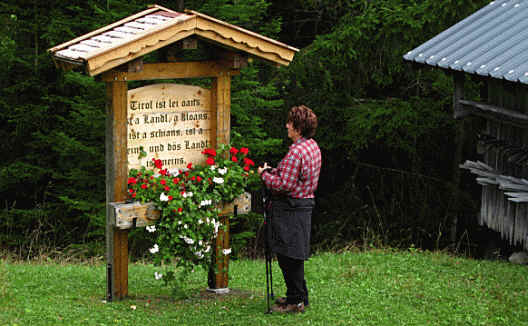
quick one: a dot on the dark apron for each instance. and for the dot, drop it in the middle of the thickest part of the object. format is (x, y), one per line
(291, 221)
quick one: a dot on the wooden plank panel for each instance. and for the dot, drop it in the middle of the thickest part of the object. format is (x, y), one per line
(171, 70)
(242, 36)
(269, 56)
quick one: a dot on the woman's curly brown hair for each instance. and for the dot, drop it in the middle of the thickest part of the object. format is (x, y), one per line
(304, 120)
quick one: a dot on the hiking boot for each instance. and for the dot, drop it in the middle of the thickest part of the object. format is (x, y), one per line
(282, 300)
(288, 308)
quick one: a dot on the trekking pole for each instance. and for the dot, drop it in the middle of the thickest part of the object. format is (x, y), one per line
(267, 252)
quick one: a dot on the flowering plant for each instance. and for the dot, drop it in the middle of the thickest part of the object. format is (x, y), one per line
(189, 201)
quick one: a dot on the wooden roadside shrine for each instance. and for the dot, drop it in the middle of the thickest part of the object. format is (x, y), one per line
(186, 118)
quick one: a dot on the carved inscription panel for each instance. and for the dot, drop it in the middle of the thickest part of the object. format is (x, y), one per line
(170, 122)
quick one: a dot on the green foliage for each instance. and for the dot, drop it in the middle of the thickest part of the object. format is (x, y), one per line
(190, 202)
(373, 108)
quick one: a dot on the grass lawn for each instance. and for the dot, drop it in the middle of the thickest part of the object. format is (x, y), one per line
(378, 287)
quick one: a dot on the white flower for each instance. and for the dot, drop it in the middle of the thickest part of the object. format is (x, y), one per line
(188, 240)
(151, 228)
(216, 225)
(226, 251)
(200, 242)
(163, 197)
(199, 254)
(157, 275)
(187, 194)
(185, 226)
(174, 172)
(154, 249)
(222, 171)
(207, 249)
(200, 221)
(213, 167)
(218, 180)
(179, 222)
(206, 202)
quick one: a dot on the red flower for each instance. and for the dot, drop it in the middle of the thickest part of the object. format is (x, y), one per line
(167, 188)
(233, 150)
(170, 197)
(182, 192)
(151, 177)
(176, 180)
(134, 195)
(246, 168)
(209, 152)
(189, 166)
(187, 173)
(144, 186)
(163, 172)
(157, 163)
(132, 180)
(131, 190)
(234, 159)
(198, 178)
(244, 150)
(193, 178)
(247, 161)
(210, 161)
(180, 209)
(163, 182)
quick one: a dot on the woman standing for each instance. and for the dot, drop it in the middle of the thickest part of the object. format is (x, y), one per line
(292, 184)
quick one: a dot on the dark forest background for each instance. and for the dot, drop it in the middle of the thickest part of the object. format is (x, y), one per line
(390, 172)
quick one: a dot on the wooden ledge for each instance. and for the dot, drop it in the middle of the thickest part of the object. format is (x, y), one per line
(136, 214)
(491, 112)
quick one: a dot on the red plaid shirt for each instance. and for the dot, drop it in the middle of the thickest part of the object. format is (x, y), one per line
(297, 175)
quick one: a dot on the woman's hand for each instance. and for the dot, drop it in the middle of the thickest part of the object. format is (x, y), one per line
(262, 168)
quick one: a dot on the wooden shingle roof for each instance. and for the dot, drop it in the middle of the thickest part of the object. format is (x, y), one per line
(157, 27)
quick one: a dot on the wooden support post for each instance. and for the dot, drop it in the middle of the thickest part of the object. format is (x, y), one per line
(116, 187)
(221, 99)
(458, 112)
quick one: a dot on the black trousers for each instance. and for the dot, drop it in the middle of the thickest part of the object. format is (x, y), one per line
(293, 272)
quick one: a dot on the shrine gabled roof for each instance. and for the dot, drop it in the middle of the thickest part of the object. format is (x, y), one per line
(157, 27)
(492, 42)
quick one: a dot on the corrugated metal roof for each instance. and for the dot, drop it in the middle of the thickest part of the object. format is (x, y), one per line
(492, 42)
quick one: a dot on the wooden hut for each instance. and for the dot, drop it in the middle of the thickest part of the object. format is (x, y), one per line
(492, 45)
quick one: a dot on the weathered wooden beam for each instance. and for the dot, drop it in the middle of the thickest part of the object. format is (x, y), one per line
(458, 94)
(116, 187)
(171, 70)
(189, 43)
(130, 215)
(496, 113)
(136, 214)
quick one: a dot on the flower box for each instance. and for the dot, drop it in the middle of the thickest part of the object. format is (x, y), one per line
(130, 215)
